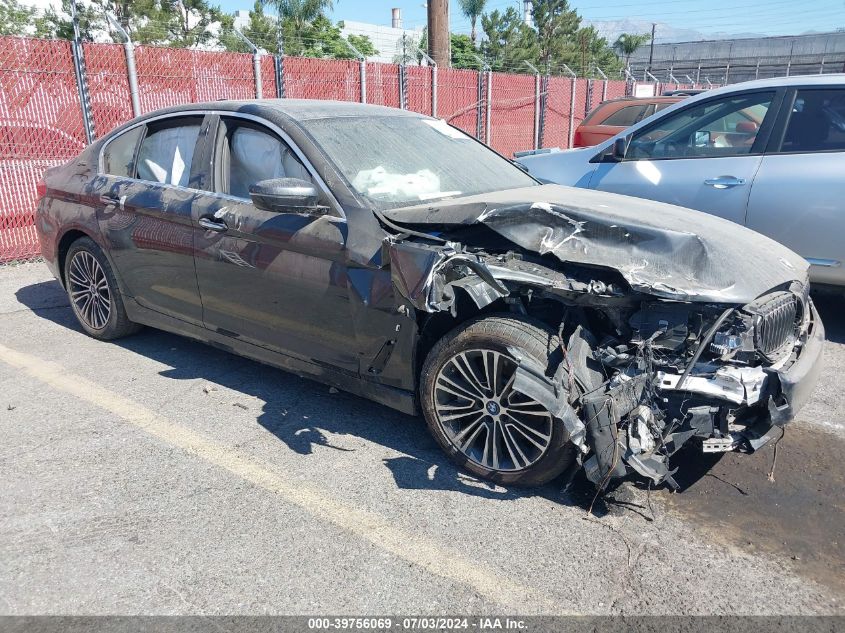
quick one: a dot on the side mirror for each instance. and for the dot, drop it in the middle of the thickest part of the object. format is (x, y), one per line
(286, 195)
(618, 149)
(701, 139)
(614, 153)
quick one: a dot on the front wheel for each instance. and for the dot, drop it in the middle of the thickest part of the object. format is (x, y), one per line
(93, 292)
(476, 415)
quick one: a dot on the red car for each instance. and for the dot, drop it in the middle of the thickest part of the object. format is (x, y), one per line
(611, 117)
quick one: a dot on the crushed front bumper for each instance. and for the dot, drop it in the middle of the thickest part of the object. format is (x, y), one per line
(787, 390)
(790, 388)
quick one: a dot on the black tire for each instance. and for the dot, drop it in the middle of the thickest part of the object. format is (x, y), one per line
(498, 333)
(108, 320)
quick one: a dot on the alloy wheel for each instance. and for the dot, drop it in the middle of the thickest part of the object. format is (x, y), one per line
(89, 290)
(482, 415)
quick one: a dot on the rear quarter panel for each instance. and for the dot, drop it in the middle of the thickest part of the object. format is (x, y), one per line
(67, 206)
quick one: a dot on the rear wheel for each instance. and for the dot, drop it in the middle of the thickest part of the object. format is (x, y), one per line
(476, 415)
(93, 292)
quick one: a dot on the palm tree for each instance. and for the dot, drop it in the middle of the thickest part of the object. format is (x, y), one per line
(628, 43)
(472, 9)
(298, 13)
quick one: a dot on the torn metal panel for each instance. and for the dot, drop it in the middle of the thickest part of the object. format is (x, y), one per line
(658, 248)
(531, 381)
(426, 275)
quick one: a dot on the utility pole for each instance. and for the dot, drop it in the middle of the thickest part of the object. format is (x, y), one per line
(438, 32)
(651, 48)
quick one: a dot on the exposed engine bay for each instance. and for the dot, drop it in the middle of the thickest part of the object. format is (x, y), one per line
(642, 369)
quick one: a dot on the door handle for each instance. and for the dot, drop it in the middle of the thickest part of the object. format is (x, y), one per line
(724, 182)
(210, 224)
(108, 199)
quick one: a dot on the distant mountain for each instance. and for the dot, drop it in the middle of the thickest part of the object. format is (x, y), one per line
(664, 33)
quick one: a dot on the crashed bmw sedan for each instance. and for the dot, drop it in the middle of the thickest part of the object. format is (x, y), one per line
(385, 253)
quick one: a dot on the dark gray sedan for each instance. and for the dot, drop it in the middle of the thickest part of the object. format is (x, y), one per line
(536, 327)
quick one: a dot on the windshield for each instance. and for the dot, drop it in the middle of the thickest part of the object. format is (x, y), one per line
(397, 161)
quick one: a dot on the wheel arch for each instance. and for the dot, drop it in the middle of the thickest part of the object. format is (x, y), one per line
(71, 235)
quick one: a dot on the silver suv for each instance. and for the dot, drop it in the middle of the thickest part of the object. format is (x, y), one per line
(767, 154)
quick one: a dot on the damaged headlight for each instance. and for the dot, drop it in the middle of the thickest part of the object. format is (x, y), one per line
(765, 330)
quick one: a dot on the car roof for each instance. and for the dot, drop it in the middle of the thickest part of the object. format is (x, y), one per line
(297, 109)
(833, 79)
(655, 99)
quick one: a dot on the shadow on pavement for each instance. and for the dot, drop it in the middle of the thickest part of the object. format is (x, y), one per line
(710, 483)
(422, 465)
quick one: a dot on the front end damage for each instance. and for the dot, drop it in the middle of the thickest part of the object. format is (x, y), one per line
(645, 367)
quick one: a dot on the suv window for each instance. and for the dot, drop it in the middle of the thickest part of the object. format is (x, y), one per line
(724, 127)
(250, 153)
(817, 122)
(119, 153)
(167, 151)
(626, 116)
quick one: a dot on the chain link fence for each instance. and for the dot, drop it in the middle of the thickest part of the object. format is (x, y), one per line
(42, 116)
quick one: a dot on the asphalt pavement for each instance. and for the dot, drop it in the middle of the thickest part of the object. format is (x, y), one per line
(156, 475)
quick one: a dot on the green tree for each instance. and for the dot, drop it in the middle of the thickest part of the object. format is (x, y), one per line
(595, 51)
(363, 44)
(510, 42)
(473, 10)
(14, 18)
(295, 15)
(464, 53)
(557, 28)
(178, 23)
(628, 43)
(321, 38)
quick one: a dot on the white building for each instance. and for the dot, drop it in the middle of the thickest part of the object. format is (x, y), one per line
(387, 40)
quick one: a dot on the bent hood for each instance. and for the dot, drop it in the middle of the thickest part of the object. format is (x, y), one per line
(659, 249)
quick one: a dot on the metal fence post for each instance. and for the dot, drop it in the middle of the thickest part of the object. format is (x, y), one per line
(488, 132)
(536, 104)
(433, 65)
(403, 87)
(256, 63)
(279, 74)
(81, 80)
(571, 105)
(630, 83)
(656, 82)
(601, 74)
(362, 69)
(544, 102)
(131, 72)
(478, 105)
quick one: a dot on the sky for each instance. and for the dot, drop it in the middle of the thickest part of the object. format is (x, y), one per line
(776, 17)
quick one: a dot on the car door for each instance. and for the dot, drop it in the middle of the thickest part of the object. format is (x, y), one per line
(147, 188)
(703, 157)
(798, 193)
(278, 280)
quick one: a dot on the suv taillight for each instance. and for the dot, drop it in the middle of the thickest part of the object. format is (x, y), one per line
(41, 188)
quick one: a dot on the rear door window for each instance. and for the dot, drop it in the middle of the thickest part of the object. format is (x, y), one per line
(816, 123)
(167, 151)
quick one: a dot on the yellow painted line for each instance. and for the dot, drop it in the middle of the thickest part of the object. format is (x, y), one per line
(369, 526)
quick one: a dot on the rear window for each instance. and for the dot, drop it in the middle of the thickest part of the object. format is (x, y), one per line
(119, 154)
(626, 116)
